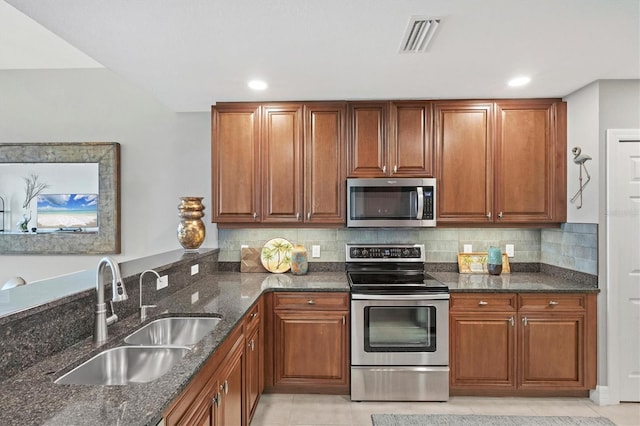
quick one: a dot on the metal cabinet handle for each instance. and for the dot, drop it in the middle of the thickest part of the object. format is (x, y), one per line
(384, 169)
(253, 315)
(395, 169)
(482, 303)
(297, 215)
(255, 216)
(225, 387)
(525, 321)
(311, 302)
(251, 344)
(553, 303)
(216, 400)
(500, 215)
(489, 215)
(512, 322)
(308, 215)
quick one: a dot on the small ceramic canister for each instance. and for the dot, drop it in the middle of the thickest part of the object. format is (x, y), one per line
(299, 262)
(494, 261)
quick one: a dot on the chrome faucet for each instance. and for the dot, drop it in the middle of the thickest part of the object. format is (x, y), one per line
(119, 294)
(143, 308)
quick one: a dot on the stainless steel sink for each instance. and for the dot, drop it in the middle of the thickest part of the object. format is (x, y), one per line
(179, 331)
(125, 365)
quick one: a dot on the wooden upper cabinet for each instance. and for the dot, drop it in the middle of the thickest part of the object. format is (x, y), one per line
(502, 162)
(235, 156)
(410, 142)
(324, 169)
(390, 139)
(530, 161)
(367, 154)
(282, 159)
(463, 139)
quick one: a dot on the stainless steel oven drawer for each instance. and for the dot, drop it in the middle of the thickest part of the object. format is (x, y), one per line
(399, 383)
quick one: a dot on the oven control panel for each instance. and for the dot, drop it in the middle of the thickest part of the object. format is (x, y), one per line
(404, 252)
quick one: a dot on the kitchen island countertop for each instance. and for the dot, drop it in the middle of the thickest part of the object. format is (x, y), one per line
(32, 398)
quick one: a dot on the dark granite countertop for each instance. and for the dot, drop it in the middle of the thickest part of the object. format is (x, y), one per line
(512, 282)
(31, 398)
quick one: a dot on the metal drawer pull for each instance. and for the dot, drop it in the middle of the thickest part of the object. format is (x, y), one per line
(309, 216)
(384, 169)
(553, 303)
(500, 215)
(311, 302)
(489, 215)
(395, 169)
(482, 303)
(253, 315)
(255, 216)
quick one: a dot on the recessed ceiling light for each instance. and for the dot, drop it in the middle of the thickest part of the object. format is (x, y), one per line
(519, 81)
(257, 85)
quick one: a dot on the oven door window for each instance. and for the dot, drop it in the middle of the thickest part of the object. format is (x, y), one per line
(400, 329)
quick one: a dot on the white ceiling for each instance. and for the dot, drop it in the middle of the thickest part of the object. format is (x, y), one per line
(192, 54)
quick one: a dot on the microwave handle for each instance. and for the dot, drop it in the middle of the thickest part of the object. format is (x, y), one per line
(420, 203)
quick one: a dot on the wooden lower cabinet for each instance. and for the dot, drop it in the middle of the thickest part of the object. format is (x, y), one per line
(522, 344)
(483, 350)
(309, 341)
(226, 390)
(228, 408)
(254, 358)
(214, 396)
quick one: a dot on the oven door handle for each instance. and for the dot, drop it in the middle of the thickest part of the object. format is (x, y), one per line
(420, 203)
(435, 296)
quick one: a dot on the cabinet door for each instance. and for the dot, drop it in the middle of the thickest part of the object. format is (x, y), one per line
(367, 154)
(552, 351)
(229, 411)
(463, 141)
(410, 142)
(311, 349)
(253, 362)
(482, 351)
(324, 172)
(236, 162)
(530, 158)
(282, 156)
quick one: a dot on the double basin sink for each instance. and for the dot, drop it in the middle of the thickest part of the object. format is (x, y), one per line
(150, 353)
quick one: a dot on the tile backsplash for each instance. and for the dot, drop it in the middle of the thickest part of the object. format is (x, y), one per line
(573, 246)
(442, 244)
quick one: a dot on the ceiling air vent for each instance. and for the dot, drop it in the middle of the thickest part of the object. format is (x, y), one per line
(418, 34)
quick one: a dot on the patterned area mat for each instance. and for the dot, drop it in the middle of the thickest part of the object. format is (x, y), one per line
(476, 420)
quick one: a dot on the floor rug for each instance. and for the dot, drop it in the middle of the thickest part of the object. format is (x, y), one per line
(477, 420)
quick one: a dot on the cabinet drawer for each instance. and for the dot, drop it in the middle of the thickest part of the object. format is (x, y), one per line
(253, 317)
(552, 302)
(312, 300)
(483, 302)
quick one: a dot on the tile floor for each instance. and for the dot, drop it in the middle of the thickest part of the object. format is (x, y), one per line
(307, 410)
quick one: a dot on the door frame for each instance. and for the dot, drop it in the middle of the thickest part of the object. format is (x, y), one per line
(609, 394)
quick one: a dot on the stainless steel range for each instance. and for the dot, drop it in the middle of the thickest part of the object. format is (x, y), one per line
(399, 325)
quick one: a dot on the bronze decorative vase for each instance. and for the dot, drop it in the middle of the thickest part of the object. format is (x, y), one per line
(191, 229)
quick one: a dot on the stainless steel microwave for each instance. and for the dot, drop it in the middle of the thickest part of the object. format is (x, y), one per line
(391, 203)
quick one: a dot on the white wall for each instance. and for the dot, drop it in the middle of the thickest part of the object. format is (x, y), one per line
(582, 131)
(591, 110)
(164, 155)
